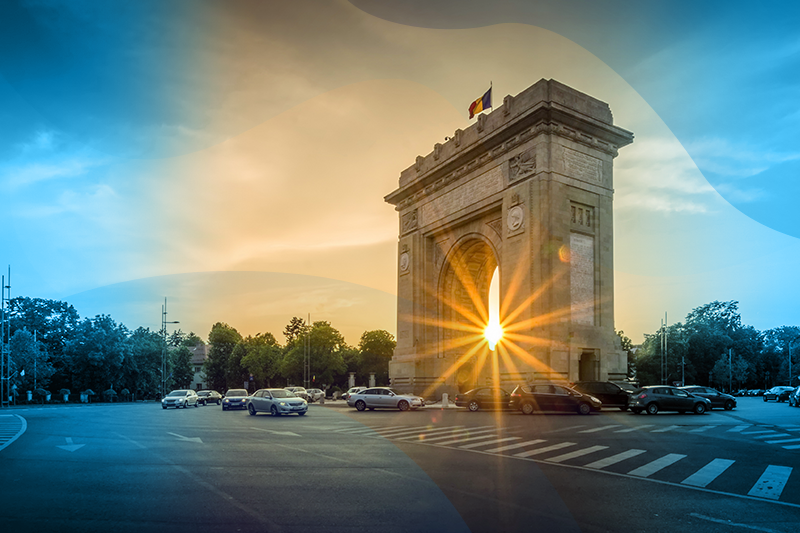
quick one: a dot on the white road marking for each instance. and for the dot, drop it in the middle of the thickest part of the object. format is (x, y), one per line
(791, 447)
(186, 439)
(702, 429)
(470, 439)
(614, 459)
(422, 435)
(14, 426)
(759, 432)
(456, 436)
(782, 441)
(738, 429)
(515, 446)
(546, 449)
(771, 483)
(664, 430)
(496, 441)
(637, 428)
(393, 432)
(774, 435)
(708, 473)
(601, 428)
(287, 433)
(576, 453)
(567, 428)
(70, 446)
(654, 466)
(729, 523)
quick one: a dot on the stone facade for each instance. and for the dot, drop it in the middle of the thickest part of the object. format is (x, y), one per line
(526, 189)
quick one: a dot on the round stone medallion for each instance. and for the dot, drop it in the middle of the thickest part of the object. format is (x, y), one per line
(404, 261)
(515, 217)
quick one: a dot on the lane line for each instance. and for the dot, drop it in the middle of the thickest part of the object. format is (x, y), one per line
(664, 430)
(782, 441)
(771, 483)
(422, 435)
(462, 433)
(758, 432)
(773, 436)
(471, 439)
(708, 473)
(515, 446)
(654, 466)
(479, 444)
(738, 429)
(421, 429)
(601, 428)
(546, 449)
(702, 429)
(576, 453)
(637, 428)
(791, 447)
(614, 459)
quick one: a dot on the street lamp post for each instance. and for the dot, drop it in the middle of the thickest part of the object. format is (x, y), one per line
(164, 323)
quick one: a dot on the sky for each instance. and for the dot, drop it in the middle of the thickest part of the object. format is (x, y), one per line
(233, 156)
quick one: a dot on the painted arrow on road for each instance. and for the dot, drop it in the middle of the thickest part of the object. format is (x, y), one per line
(69, 446)
(287, 433)
(187, 439)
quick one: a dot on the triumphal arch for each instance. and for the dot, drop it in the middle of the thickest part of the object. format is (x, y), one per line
(526, 192)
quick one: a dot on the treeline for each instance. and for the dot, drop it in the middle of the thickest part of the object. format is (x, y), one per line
(717, 350)
(54, 351)
(232, 359)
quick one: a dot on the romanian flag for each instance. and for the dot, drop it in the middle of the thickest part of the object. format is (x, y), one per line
(481, 104)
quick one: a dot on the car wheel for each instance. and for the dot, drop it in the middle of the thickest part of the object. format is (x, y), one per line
(728, 405)
(473, 406)
(274, 411)
(699, 408)
(636, 411)
(164, 407)
(196, 404)
(403, 405)
(652, 409)
(584, 408)
(765, 398)
(360, 405)
(527, 408)
(251, 410)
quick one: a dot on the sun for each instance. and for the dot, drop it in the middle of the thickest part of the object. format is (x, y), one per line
(493, 333)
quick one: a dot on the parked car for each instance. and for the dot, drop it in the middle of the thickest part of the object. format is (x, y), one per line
(552, 397)
(794, 397)
(483, 398)
(352, 390)
(298, 391)
(718, 399)
(315, 395)
(180, 398)
(657, 398)
(277, 402)
(206, 397)
(611, 394)
(234, 399)
(380, 397)
(779, 394)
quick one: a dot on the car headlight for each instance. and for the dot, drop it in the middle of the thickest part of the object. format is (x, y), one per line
(283, 403)
(226, 400)
(594, 399)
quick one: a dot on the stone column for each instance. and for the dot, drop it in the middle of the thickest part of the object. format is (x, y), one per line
(351, 381)
(372, 379)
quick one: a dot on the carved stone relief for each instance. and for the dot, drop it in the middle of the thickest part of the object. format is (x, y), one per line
(522, 165)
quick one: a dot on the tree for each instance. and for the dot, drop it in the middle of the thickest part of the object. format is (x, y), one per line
(223, 339)
(141, 370)
(326, 346)
(376, 349)
(728, 376)
(262, 358)
(294, 329)
(182, 372)
(27, 355)
(96, 353)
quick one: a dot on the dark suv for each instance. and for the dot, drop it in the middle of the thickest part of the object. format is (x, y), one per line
(718, 399)
(552, 397)
(611, 394)
(665, 398)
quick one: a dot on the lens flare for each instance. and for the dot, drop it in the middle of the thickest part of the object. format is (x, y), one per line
(493, 334)
(493, 331)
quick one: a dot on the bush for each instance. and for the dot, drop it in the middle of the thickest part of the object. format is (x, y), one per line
(125, 394)
(109, 395)
(64, 391)
(40, 394)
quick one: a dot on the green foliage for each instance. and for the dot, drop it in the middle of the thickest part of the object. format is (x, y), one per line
(223, 339)
(294, 329)
(96, 354)
(181, 363)
(375, 350)
(262, 358)
(326, 347)
(28, 355)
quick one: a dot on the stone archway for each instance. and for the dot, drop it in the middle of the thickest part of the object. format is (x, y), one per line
(463, 307)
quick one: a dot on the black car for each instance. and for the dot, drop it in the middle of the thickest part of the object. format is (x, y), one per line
(779, 394)
(718, 399)
(235, 399)
(611, 394)
(483, 398)
(794, 398)
(206, 397)
(552, 397)
(657, 398)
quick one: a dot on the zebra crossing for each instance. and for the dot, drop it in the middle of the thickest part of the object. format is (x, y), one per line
(555, 449)
(11, 427)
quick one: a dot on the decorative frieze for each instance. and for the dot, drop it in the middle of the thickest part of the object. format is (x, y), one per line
(409, 221)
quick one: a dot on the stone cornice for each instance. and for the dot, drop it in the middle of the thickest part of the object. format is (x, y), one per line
(499, 132)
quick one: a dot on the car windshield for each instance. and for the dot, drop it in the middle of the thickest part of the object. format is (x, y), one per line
(177, 393)
(281, 393)
(237, 392)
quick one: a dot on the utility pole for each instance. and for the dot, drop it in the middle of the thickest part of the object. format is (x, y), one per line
(730, 371)
(307, 354)
(5, 329)
(164, 348)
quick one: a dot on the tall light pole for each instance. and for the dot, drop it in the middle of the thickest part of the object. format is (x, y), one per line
(5, 355)
(164, 323)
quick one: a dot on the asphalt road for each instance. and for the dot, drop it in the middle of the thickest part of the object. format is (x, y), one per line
(138, 468)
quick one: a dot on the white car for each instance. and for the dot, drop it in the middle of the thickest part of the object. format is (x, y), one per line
(351, 391)
(277, 402)
(314, 395)
(180, 398)
(299, 391)
(380, 397)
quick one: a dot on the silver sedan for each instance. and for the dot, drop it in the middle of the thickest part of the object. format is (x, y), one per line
(380, 397)
(276, 402)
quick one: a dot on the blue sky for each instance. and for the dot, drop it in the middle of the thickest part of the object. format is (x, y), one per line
(146, 141)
